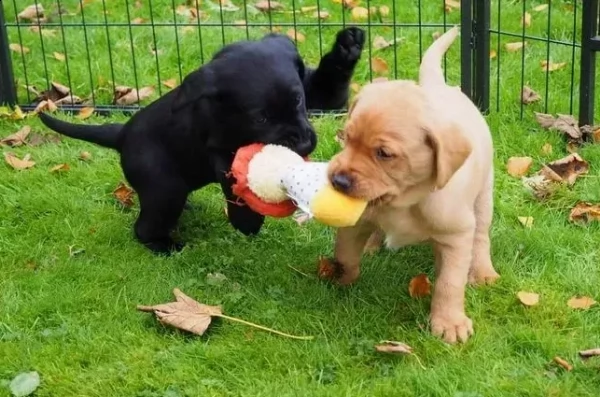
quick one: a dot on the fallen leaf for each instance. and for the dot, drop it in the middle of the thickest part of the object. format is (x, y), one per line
(551, 66)
(526, 19)
(359, 13)
(390, 346)
(124, 194)
(32, 12)
(583, 302)
(326, 269)
(137, 21)
(589, 353)
(516, 46)
(267, 5)
(451, 5)
(419, 286)
(24, 384)
(85, 112)
(55, 93)
(85, 156)
(18, 138)
(38, 139)
(563, 363)
(379, 65)
(195, 317)
(45, 106)
(528, 298)
(567, 169)
(539, 186)
(493, 54)
(384, 11)
(585, 212)
(436, 35)
(17, 163)
(60, 168)
(171, 83)
(545, 120)
(379, 42)
(590, 133)
(529, 96)
(138, 4)
(240, 23)
(526, 221)
(297, 36)
(541, 7)
(17, 114)
(215, 278)
(18, 48)
(129, 96)
(59, 56)
(564, 123)
(321, 14)
(518, 166)
(547, 149)
(308, 9)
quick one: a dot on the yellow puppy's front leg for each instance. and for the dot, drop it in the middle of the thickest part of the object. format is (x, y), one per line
(453, 260)
(349, 246)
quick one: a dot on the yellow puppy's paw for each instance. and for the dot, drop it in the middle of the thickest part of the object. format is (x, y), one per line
(483, 275)
(451, 327)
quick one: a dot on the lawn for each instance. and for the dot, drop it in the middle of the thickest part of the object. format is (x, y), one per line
(72, 273)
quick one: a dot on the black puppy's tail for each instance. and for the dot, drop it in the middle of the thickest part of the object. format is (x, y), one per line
(106, 135)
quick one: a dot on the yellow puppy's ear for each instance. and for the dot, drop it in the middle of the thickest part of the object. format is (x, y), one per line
(451, 150)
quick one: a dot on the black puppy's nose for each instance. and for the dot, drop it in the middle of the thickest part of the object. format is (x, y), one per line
(341, 182)
(305, 147)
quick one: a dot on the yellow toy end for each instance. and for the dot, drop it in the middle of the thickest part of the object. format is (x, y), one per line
(335, 209)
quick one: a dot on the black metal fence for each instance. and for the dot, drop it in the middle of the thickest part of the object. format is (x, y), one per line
(103, 51)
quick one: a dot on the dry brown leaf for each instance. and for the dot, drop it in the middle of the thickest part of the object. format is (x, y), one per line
(129, 96)
(539, 186)
(124, 194)
(589, 353)
(17, 163)
(572, 147)
(85, 112)
(297, 36)
(390, 346)
(451, 5)
(379, 42)
(56, 93)
(18, 48)
(321, 14)
(563, 363)
(171, 83)
(267, 5)
(547, 149)
(551, 66)
(493, 54)
(59, 56)
(590, 133)
(529, 96)
(566, 169)
(526, 221)
(585, 212)
(526, 19)
(18, 138)
(419, 286)
(436, 35)
(45, 106)
(518, 166)
(583, 302)
(195, 317)
(384, 11)
(137, 21)
(528, 298)
(60, 168)
(541, 7)
(326, 269)
(564, 123)
(516, 46)
(359, 13)
(85, 156)
(379, 65)
(32, 12)
(545, 120)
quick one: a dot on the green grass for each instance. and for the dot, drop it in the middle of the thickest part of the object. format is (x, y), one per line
(73, 318)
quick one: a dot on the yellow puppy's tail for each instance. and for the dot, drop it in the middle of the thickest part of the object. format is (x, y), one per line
(430, 71)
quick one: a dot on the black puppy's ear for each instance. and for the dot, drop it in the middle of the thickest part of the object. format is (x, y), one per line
(300, 68)
(196, 85)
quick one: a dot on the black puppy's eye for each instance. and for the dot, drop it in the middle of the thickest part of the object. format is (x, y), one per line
(383, 154)
(261, 118)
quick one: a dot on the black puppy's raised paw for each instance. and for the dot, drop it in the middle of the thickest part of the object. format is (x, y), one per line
(243, 219)
(164, 247)
(348, 46)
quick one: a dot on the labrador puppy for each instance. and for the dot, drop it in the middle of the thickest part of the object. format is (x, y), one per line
(423, 159)
(250, 92)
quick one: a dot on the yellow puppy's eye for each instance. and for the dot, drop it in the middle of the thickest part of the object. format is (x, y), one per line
(383, 154)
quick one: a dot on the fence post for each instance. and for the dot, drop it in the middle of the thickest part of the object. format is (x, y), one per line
(481, 68)
(466, 48)
(590, 44)
(8, 94)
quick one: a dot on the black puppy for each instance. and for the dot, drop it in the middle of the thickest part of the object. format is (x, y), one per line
(250, 92)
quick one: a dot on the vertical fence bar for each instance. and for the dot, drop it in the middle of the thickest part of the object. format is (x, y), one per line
(466, 47)
(8, 93)
(590, 44)
(481, 69)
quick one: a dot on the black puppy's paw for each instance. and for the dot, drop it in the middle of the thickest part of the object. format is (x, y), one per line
(243, 219)
(165, 247)
(348, 46)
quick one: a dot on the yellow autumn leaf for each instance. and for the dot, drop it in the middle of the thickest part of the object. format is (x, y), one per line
(379, 65)
(516, 46)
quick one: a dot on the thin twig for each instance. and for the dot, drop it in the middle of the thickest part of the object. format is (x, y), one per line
(239, 320)
(298, 271)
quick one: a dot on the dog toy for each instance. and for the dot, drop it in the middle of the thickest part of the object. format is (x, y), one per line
(275, 181)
